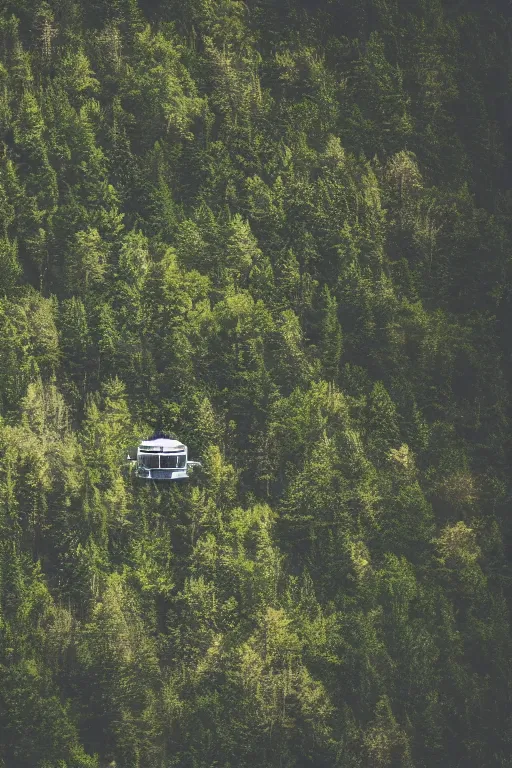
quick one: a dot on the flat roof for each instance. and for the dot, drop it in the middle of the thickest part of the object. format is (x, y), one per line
(163, 443)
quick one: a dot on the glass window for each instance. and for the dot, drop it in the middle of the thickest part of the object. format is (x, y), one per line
(173, 462)
(167, 462)
(149, 460)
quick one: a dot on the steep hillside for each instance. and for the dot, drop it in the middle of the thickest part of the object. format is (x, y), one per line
(282, 232)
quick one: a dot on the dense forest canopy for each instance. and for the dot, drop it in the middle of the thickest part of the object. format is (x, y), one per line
(281, 232)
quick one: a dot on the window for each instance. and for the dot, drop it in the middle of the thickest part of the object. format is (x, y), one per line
(173, 462)
(149, 460)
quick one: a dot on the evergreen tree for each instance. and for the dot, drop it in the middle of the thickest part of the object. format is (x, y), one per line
(280, 232)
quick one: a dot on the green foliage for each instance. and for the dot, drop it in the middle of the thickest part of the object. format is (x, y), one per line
(281, 232)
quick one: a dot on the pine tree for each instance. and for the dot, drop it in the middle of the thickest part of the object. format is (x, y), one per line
(331, 337)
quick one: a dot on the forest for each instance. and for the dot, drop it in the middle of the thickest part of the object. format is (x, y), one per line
(280, 231)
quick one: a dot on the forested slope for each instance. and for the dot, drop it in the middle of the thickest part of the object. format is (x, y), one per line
(281, 231)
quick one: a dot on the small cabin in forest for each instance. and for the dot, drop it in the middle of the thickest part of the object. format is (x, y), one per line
(162, 458)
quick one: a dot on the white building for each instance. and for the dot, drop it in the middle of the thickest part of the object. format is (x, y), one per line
(162, 459)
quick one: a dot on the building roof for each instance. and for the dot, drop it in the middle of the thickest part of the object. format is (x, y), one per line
(163, 443)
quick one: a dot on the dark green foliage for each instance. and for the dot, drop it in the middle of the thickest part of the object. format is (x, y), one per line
(280, 231)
